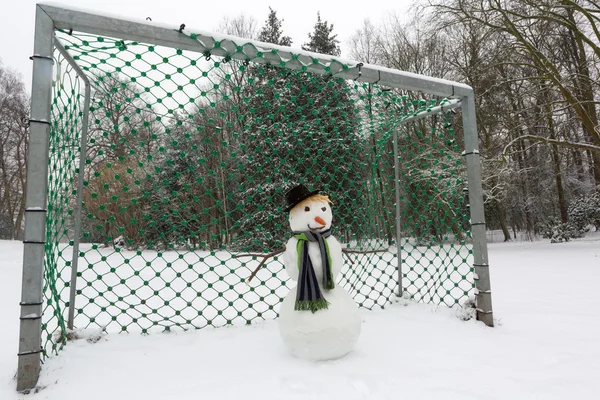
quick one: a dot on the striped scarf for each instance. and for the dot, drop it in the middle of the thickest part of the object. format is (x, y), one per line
(308, 293)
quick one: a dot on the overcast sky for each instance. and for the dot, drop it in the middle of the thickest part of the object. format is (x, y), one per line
(16, 29)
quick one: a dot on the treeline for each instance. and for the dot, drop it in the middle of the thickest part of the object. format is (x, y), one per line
(534, 68)
(14, 112)
(214, 175)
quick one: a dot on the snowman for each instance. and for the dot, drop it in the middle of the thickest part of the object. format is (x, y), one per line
(318, 320)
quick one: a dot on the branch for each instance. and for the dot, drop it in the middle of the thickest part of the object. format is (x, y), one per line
(364, 251)
(538, 139)
(265, 258)
(552, 16)
(348, 251)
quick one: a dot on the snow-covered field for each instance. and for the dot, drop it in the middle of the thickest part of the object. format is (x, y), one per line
(546, 345)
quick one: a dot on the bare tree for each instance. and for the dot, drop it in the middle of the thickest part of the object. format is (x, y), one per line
(123, 149)
(529, 25)
(241, 26)
(412, 46)
(14, 105)
(365, 43)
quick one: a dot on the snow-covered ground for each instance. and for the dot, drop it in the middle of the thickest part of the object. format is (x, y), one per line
(546, 345)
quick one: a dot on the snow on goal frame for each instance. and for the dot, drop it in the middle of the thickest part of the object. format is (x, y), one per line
(187, 141)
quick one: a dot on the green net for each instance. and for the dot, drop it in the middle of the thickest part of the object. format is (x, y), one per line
(188, 159)
(64, 154)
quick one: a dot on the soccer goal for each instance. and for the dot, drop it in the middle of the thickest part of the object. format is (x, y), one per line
(159, 159)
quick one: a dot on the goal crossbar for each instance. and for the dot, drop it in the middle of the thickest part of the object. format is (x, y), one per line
(173, 36)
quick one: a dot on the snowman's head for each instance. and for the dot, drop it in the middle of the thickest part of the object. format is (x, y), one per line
(313, 213)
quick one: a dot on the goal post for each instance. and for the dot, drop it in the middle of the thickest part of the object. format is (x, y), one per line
(158, 161)
(30, 345)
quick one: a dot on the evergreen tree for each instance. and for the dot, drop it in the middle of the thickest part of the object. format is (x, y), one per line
(334, 132)
(584, 212)
(322, 40)
(301, 128)
(262, 167)
(272, 31)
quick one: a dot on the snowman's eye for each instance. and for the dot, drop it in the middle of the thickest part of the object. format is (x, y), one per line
(324, 208)
(307, 208)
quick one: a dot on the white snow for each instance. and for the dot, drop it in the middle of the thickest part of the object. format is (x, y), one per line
(31, 316)
(325, 335)
(545, 345)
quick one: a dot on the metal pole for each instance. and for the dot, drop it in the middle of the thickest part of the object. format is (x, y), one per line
(480, 253)
(449, 105)
(398, 231)
(30, 342)
(142, 31)
(81, 176)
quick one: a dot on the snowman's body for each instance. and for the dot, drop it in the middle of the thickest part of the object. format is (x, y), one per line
(327, 333)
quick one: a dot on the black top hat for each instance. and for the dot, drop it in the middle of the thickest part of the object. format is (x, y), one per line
(297, 194)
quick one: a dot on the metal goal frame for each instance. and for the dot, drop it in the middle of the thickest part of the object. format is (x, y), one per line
(49, 18)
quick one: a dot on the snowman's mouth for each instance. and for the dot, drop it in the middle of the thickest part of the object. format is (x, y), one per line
(317, 228)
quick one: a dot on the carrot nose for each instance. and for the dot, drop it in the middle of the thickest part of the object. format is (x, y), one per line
(320, 220)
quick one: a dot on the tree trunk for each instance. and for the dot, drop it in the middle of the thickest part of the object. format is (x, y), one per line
(17, 234)
(516, 107)
(386, 225)
(583, 83)
(576, 155)
(562, 204)
(502, 220)
(525, 187)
